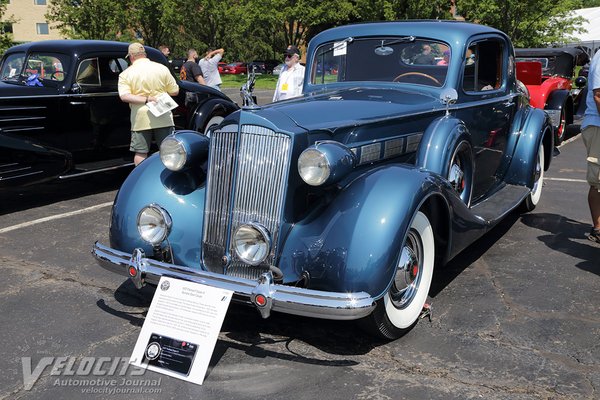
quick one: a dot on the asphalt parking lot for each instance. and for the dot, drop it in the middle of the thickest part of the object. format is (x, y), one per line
(515, 316)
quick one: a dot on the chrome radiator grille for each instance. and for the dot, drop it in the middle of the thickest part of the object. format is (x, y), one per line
(247, 178)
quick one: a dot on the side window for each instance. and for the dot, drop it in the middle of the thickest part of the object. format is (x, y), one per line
(483, 66)
(117, 65)
(88, 73)
(46, 66)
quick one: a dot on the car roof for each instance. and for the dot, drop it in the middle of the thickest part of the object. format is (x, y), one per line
(573, 52)
(82, 47)
(452, 32)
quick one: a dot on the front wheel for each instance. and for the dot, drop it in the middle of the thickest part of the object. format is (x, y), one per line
(213, 121)
(399, 309)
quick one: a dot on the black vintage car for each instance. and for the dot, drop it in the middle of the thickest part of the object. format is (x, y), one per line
(60, 112)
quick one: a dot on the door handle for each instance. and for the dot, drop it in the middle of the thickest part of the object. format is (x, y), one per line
(77, 103)
(508, 103)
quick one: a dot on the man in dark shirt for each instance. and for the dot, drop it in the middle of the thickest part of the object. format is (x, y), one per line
(190, 70)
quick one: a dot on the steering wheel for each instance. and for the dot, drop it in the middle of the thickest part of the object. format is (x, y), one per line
(56, 75)
(421, 74)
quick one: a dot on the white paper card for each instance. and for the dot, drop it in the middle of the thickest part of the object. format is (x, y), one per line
(181, 329)
(164, 103)
(339, 48)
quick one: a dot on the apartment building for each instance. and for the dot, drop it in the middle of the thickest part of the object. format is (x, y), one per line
(31, 24)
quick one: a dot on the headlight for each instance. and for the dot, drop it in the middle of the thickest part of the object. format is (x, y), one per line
(172, 153)
(154, 224)
(313, 167)
(325, 163)
(252, 243)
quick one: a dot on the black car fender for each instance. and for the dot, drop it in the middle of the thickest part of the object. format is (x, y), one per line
(559, 99)
(210, 108)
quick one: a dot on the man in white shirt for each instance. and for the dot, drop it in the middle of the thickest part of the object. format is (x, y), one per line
(291, 77)
(210, 68)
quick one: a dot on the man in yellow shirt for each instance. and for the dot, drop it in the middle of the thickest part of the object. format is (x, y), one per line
(140, 84)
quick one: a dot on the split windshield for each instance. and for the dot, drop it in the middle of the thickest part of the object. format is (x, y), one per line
(386, 59)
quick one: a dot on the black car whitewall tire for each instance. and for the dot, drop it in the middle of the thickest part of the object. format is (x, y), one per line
(401, 306)
(214, 120)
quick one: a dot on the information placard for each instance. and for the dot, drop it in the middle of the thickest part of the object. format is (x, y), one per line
(181, 329)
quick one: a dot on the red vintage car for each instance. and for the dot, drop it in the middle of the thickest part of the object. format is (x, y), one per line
(235, 68)
(549, 75)
(220, 66)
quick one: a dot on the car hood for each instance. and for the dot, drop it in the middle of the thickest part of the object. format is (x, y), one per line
(354, 106)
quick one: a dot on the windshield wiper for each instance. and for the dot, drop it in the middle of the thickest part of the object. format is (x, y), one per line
(399, 40)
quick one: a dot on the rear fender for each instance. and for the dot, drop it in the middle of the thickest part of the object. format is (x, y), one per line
(536, 129)
(556, 101)
(353, 242)
(23, 161)
(181, 194)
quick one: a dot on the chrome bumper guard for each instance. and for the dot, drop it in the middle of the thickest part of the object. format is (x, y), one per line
(262, 293)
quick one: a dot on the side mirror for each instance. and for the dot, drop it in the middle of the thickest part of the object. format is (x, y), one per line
(76, 88)
(581, 81)
(448, 97)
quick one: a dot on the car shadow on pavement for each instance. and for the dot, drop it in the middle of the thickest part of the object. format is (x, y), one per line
(286, 337)
(444, 275)
(566, 236)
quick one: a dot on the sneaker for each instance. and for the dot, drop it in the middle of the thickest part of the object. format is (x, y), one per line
(594, 235)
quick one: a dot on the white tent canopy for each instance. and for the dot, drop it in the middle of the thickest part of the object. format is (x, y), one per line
(591, 38)
(592, 25)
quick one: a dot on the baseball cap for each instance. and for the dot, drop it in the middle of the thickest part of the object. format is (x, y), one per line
(291, 50)
(135, 49)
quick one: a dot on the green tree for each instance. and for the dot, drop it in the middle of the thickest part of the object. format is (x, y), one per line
(154, 21)
(390, 10)
(6, 38)
(88, 19)
(534, 23)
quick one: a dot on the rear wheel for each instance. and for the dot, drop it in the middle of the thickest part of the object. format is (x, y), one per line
(399, 309)
(533, 198)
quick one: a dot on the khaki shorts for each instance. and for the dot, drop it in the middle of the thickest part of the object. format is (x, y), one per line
(591, 139)
(142, 140)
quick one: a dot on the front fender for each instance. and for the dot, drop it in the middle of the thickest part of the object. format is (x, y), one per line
(352, 244)
(536, 129)
(181, 194)
(209, 109)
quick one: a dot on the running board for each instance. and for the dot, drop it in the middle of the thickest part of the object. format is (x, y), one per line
(500, 203)
(96, 167)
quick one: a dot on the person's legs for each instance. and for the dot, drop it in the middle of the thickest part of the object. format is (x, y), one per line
(594, 202)
(591, 139)
(140, 145)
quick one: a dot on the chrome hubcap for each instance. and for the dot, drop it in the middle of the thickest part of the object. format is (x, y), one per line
(456, 177)
(408, 272)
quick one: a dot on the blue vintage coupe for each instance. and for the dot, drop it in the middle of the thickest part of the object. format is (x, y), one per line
(414, 141)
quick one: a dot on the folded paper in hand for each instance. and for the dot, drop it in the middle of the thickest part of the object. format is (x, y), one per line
(163, 104)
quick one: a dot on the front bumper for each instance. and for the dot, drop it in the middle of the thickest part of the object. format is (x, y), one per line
(263, 293)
